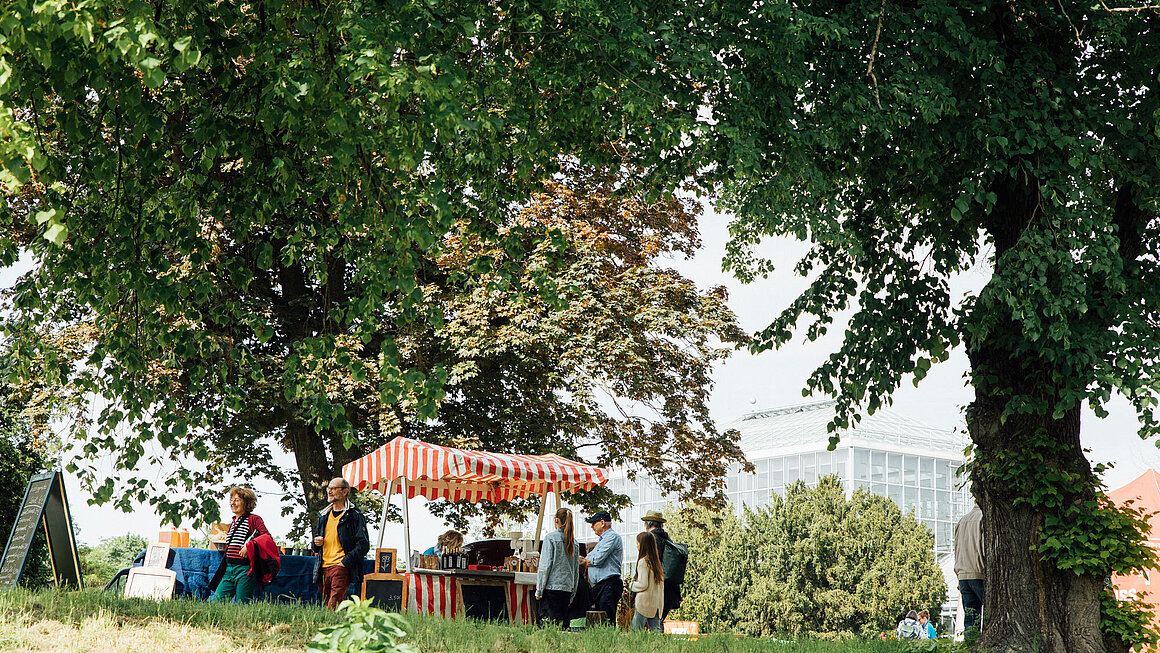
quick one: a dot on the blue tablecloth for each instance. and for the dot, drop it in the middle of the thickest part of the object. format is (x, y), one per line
(195, 569)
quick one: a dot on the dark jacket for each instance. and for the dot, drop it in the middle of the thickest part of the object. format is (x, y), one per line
(672, 590)
(352, 536)
(261, 552)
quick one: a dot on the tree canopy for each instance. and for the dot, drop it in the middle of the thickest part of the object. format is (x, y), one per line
(811, 564)
(246, 207)
(911, 142)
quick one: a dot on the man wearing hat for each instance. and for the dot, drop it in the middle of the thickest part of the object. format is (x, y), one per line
(603, 564)
(654, 522)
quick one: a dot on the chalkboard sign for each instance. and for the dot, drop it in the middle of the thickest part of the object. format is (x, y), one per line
(44, 503)
(485, 601)
(386, 593)
(384, 561)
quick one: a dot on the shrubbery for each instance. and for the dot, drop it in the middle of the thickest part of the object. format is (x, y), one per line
(99, 563)
(811, 564)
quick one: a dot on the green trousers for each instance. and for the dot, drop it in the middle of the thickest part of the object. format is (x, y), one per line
(236, 585)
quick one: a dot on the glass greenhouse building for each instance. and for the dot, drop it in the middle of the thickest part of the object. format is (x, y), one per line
(912, 463)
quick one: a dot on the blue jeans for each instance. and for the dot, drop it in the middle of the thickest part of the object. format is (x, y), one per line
(971, 593)
(641, 622)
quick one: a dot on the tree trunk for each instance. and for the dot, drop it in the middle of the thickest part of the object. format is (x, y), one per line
(1029, 603)
(313, 467)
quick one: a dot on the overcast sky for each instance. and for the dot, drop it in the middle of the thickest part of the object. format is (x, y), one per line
(743, 383)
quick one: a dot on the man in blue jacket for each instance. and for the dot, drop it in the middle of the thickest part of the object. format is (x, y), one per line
(340, 544)
(603, 564)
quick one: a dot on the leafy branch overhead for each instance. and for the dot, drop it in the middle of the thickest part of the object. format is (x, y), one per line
(247, 203)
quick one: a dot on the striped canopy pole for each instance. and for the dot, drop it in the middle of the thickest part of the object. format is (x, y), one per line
(548, 489)
(406, 523)
(386, 506)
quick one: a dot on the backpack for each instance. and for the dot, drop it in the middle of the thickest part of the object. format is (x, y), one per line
(908, 629)
(674, 559)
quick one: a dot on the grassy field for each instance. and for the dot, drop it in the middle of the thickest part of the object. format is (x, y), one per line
(96, 621)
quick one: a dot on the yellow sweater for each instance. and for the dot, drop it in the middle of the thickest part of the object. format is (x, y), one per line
(332, 553)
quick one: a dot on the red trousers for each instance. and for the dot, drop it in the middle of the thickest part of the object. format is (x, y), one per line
(335, 582)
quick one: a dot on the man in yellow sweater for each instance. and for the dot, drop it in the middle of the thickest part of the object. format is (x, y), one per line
(340, 544)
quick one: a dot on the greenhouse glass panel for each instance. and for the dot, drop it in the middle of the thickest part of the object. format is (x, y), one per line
(910, 470)
(926, 472)
(894, 468)
(861, 464)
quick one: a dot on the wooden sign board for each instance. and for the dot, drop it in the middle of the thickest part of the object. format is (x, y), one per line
(44, 504)
(385, 560)
(485, 600)
(385, 590)
(146, 583)
(157, 556)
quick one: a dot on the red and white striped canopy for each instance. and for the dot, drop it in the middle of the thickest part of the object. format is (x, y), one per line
(437, 472)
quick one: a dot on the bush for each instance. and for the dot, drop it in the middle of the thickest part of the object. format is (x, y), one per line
(367, 629)
(99, 563)
(813, 564)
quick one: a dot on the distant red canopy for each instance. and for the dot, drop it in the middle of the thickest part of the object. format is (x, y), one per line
(437, 472)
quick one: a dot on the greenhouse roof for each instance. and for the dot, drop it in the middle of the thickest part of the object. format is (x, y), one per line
(805, 425)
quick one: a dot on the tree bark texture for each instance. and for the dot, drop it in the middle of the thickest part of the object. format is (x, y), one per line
(1029, 604)
(313, 467)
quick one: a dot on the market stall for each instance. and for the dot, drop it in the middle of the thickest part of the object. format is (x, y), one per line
(413, 469)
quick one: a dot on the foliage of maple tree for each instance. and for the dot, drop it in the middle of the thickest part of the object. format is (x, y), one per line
(243, 202)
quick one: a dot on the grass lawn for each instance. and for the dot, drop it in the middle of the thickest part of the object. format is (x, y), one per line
(93, 620)
(97, 621)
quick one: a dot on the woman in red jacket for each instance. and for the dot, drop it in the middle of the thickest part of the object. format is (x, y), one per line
(251, 558)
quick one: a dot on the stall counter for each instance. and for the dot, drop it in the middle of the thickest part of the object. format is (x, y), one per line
(458, 593)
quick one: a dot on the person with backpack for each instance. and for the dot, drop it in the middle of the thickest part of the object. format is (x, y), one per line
(909, 628)
(674, 559)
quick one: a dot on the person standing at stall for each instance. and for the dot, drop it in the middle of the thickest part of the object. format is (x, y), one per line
(251, 558)
(340, 544)
(559, 570)
(604, 563)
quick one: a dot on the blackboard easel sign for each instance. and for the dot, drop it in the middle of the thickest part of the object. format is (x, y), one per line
(386, 593)
(44, 503)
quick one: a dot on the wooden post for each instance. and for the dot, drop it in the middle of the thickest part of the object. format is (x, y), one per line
(386, 505)
(406, 523)
(540, 520)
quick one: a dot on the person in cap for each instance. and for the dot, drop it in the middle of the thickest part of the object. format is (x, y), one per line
(654, 522)
(603, 564)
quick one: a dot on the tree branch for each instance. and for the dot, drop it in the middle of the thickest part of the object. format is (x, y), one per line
(874, 53)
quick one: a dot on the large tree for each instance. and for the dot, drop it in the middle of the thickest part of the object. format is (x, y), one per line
(242, 200)
(909, 142)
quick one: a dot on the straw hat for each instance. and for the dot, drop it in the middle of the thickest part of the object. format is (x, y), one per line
(653, 515)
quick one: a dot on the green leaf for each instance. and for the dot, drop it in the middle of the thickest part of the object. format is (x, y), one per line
(56, 234)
